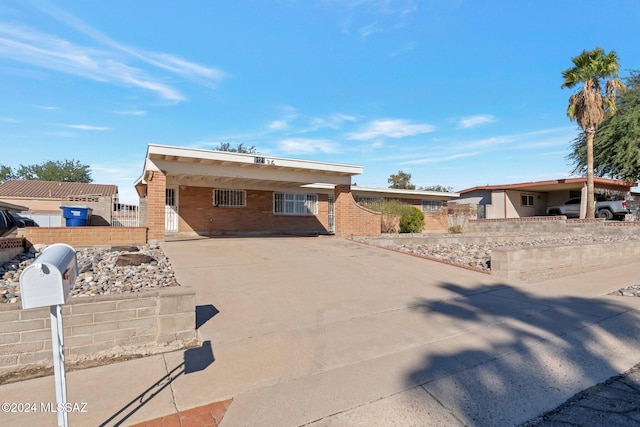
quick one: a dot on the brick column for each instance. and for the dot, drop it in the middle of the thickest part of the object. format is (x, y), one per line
(156, 200)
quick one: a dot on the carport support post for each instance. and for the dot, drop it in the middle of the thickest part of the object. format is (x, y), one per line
(57, 343)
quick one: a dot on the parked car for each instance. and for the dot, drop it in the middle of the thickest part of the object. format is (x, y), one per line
(7, 223)
(605, 208)
(23, 221)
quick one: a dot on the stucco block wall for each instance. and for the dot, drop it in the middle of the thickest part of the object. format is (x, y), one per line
(198, 215)
(534, 263)
(107, 325)
(86, 236)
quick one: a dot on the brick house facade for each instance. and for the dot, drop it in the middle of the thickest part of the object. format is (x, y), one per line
(187, 191)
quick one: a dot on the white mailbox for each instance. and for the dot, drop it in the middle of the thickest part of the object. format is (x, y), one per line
(49, 279)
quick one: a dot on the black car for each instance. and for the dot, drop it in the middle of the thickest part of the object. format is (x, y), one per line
(23, 221)
(8, 224)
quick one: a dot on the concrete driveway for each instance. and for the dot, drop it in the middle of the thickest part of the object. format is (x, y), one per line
(329, 332)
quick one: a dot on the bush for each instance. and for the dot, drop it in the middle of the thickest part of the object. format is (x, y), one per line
(455, 229)
(412, 221)
(397, 217)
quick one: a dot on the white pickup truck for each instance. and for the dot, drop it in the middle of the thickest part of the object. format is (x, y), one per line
(605, 208)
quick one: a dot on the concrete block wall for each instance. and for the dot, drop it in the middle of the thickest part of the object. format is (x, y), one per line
(11, 247)
(86, 236)
(124, 324)
(532, 263)
(547, 224)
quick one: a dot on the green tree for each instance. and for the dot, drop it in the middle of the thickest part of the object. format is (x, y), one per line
(401, 180)
(616, 145)
(589, 105)
(63, 171)
(239, 148)
(6, 173)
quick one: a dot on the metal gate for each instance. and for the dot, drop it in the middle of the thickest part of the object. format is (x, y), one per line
(332, 214)
(171, 210)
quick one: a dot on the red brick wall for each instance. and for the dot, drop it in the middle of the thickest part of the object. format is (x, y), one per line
(197, 214)
(353, 219)
(433, 221)
(156, 194)
(87, 236)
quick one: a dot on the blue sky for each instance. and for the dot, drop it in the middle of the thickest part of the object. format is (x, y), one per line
(455, 92)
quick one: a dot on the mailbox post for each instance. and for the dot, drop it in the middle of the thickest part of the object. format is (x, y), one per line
(47, 282)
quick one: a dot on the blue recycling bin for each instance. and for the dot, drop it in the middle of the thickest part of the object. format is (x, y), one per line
(76, 216)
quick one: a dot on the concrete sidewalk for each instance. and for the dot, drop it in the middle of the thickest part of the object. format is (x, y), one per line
(328, 332)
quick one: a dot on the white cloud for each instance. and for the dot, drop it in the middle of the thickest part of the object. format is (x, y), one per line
(87, 127)
(307, 146)
(334, 121)
(132, 113)
(108, 61)
(8, 120)
(439, 159)
(472, 121)
(392, 128)
(278, 125)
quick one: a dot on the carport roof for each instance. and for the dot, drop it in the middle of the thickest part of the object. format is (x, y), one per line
(557, 184)
(218, 168)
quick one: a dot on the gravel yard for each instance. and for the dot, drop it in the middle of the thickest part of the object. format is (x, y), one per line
(99, 272)
(477, 255)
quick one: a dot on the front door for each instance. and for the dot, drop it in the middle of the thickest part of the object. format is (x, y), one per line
(171, 210)
(332, 214)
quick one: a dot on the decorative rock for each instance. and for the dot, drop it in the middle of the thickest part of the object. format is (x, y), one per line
(133, 259)
(100, 273)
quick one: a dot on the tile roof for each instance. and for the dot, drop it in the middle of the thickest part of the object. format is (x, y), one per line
(53, 189)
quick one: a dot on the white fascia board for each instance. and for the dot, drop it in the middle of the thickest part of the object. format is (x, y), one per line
(401, 192)
(242, 158)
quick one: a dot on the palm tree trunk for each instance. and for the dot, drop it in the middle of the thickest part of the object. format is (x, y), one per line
(590, 186)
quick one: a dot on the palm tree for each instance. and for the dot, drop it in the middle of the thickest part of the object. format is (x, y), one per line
(589, 106)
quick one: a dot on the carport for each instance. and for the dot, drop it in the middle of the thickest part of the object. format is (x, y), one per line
(206, 192)
(529, 199)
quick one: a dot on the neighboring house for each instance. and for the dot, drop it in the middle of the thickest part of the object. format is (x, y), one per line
(44, 198)
(532, 198)
(206, 192)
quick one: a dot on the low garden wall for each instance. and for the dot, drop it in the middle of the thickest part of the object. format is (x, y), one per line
(103, 326)
(10, 247)
(539, 262)
(86, 236)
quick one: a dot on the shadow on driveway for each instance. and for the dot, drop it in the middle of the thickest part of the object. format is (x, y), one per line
(534, 353)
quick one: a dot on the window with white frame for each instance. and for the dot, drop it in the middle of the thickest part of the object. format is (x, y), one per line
(527, 199)
(224, 198)
(295, 203)
(432, 205)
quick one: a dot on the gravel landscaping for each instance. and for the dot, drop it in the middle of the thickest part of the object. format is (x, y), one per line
(102, 271)
(477, 256)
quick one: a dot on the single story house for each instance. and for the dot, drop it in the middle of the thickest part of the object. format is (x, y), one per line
(529, 199)
(206, 192)
(44, 198)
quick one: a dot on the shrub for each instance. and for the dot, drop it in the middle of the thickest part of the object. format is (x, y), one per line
(397, 217)
(455, 229)
(412, 221)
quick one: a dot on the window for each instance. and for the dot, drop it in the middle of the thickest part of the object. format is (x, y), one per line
(229, 198)
(370, 202)
(431, 205)
(295, 203)
(527, 199)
